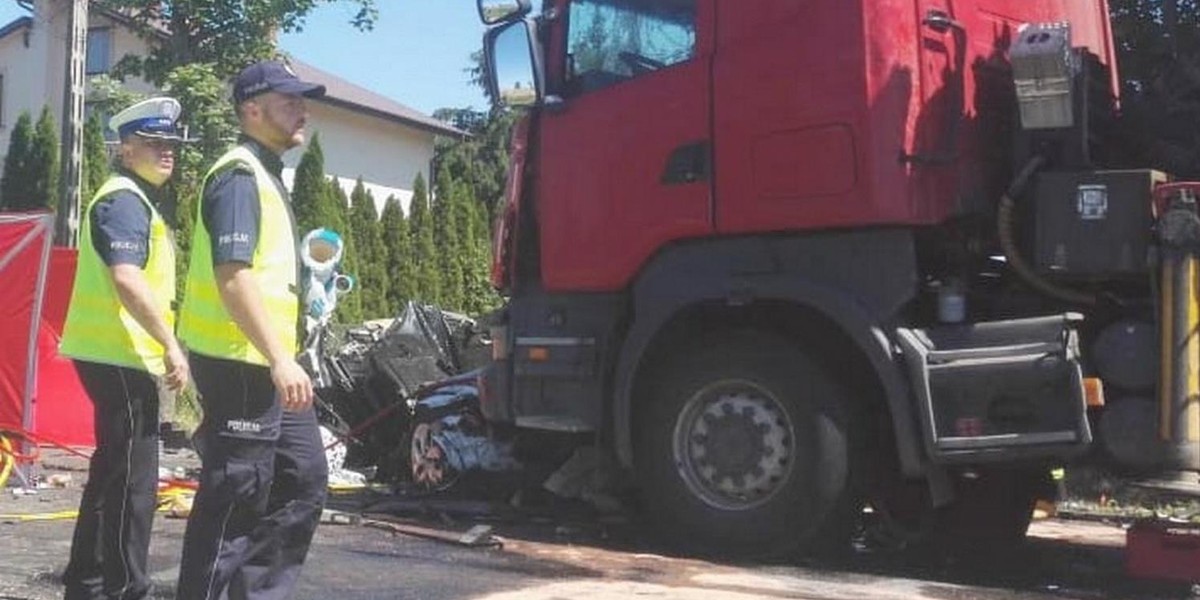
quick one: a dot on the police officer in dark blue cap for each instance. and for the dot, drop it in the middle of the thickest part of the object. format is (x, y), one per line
(263, 478)
(119, 330)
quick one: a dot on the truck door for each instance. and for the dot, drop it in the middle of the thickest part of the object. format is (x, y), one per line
(623, 161)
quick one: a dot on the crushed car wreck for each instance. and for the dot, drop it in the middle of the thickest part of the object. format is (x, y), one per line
(402, 398)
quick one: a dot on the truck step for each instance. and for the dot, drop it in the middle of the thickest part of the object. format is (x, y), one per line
(998, 390)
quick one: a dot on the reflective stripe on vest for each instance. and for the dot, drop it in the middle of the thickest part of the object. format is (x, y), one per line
(204, 324)
(99, 328)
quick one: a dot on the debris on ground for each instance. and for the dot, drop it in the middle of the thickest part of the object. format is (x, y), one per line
(335, 458)
(405, 438)
(478, 536)
(588, 475)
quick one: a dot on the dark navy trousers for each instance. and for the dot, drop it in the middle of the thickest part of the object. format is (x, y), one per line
(112, 533)
(262, 487)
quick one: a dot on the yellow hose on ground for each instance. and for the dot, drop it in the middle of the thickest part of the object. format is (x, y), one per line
(173, 499)
(176, 501)
(61, 515)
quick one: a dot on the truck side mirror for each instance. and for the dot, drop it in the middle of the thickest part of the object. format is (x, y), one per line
(514, 71)
(499, 11)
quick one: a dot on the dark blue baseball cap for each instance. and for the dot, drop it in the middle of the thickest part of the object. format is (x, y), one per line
(272, 76)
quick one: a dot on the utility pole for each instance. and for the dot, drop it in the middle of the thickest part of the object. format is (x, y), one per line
(66, 226)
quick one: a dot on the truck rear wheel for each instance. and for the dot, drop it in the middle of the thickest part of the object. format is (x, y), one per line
(743, 448)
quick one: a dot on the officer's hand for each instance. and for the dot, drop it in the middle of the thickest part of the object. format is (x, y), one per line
(293, 385)
(178, 373)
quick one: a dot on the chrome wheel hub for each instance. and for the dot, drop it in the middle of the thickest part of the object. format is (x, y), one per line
(734, 445)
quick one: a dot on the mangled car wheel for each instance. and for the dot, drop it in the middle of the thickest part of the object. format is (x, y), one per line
(431, 469)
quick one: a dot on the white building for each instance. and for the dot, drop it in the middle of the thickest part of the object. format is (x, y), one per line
(362, 133)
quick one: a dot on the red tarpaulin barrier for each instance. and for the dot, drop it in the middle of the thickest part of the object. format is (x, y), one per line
(64, 412)
(24, 252)
(39, 391)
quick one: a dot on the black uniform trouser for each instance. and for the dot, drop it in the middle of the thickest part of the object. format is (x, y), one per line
(112, 533)
(262, 487)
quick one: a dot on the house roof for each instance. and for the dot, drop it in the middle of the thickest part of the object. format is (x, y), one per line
(339, 92)
(16, 24)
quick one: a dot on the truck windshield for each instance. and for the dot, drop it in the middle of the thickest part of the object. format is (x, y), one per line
(610, 41)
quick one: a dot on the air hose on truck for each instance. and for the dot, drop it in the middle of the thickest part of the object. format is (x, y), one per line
(1005, 219)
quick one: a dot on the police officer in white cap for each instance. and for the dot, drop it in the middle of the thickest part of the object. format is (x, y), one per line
(120, 332)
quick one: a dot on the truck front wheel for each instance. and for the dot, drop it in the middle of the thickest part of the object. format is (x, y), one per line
(743, 447)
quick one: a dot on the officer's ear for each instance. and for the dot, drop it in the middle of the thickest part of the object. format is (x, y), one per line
(125, 148)
(247, 108)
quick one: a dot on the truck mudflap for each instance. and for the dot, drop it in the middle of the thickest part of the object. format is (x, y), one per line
(998, 391)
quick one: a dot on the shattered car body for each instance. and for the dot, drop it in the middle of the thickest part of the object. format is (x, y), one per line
(403, 398)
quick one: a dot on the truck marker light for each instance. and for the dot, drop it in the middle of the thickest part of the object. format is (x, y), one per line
(1093, 391)
(539, 354)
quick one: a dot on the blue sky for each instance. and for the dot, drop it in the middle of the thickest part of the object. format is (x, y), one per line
(416, 55)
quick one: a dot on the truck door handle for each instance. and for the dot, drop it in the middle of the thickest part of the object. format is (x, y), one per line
(688, 163)
(941, 22)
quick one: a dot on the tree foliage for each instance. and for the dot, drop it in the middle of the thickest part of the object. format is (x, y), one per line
(1158, 47)
(107, 96)
(226, 35)
(472, 172)
(1149, 32)
(366, 243)
(43, 162)
(95, 158)
(447, 224)
(30, 180)
(313, 199)
(480, 160)
(399, 263)
(16, 187)
(426, 283)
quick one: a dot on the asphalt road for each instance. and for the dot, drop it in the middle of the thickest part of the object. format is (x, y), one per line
(563, 556)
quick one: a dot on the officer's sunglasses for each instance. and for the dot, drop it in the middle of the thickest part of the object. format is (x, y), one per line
(159, 144)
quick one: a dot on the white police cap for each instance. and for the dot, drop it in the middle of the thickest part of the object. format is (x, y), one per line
(152, 118)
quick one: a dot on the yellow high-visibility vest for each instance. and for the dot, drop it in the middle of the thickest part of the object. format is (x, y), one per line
(204, 324)
(99, 328)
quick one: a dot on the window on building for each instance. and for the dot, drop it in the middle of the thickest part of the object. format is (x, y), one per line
(610, 41)
(99, 50)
